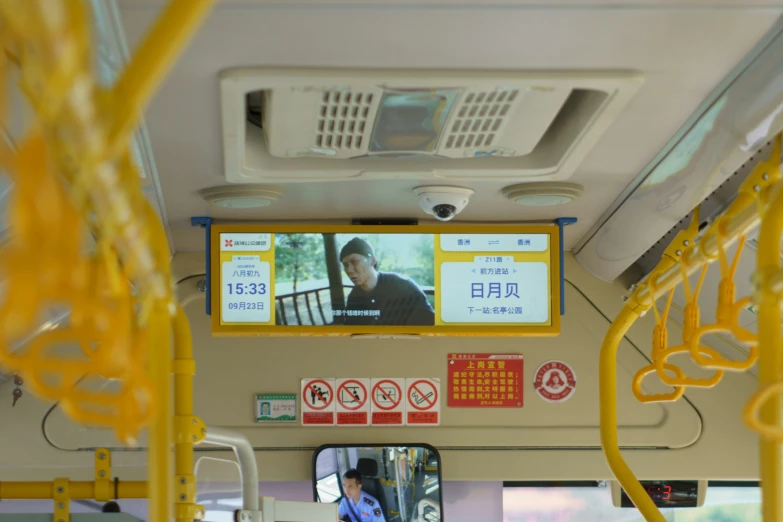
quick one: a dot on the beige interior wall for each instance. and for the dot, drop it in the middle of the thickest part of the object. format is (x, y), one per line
(702, 437)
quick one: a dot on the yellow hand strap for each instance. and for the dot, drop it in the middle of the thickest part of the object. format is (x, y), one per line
(659, 342)
(690, 325)
(727, 318)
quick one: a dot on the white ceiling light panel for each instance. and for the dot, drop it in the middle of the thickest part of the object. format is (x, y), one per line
(300, 124)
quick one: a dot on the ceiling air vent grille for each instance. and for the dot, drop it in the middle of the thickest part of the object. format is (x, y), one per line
(342, 119)
(480, 117)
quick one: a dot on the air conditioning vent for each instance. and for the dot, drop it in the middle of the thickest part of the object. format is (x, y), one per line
(342, 120)
(299, 124)
(480, 117)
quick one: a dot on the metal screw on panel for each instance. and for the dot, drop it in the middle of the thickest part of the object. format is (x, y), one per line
(756, 188)
(686, 242)
(195, 438)
(60, 490)
(183, 480)
(201, 285)
(679, 252)
(195, 422)
(61, 506)
(765, 177)
(102, 456)
(101, 473)
(203, 431)
(183, 497)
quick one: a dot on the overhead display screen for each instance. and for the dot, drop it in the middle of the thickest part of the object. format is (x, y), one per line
(322, 280)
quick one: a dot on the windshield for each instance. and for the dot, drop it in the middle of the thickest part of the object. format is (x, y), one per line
(594, 504)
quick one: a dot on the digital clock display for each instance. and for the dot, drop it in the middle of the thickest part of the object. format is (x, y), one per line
(667, 493)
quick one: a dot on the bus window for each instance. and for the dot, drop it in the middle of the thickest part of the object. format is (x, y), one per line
(590, 501)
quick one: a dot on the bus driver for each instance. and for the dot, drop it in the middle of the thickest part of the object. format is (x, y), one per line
(356, 505)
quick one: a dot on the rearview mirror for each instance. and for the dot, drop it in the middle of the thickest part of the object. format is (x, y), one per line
(377, 483)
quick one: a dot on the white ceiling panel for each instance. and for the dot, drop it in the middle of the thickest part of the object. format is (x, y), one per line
(683, 52)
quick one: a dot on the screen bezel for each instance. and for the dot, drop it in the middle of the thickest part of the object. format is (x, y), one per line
(427, 447)
(555, 261)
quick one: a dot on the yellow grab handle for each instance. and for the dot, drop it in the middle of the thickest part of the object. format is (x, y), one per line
(681, 379)
(636, 385)
(751, 412)
(607, 386)
(717, 361)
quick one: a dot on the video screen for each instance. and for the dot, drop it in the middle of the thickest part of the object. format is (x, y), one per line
(346, 279)
(362, 279)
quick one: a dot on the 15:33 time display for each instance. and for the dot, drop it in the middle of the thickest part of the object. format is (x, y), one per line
(246, 288)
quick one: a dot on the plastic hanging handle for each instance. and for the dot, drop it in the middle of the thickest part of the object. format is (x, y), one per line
(727, 319)
(750, 413)
(681, 379)
(690, 325)
(659, 342)
(636, 385)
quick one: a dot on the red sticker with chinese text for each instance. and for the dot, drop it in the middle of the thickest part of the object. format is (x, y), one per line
(485, 380)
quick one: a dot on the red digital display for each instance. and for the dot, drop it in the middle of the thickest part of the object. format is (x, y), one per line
(660, 492)
(669, 493)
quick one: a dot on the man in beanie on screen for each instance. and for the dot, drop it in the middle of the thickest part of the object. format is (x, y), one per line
(381, 298)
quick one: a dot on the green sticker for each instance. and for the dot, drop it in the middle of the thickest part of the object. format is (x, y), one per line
(275, 407)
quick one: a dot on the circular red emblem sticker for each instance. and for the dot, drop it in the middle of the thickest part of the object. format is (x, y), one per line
(555, 381)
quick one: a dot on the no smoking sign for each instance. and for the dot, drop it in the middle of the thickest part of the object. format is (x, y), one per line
(423, 398)
(353, 404)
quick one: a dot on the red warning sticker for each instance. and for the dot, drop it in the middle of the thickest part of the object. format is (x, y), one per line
(388, 408)
(423, 402)
(318, 402)
(353, 406)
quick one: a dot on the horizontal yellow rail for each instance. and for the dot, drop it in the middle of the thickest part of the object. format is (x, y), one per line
(76, 490)
(693, 258)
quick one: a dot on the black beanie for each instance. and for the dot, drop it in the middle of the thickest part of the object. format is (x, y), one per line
(356, 246)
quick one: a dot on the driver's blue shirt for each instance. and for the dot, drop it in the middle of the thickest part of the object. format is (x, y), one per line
(367, 510)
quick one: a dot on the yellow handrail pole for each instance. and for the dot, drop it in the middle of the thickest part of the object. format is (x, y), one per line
(159, 459)
(693, 258)
(76, 490)
(607, 389)
(150, 63)
(184, 369)
(770, 356)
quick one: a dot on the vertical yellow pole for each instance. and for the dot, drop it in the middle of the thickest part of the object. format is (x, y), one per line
(159, 466)
(152, 61)
(770, 358)
(607, 387)
(184, 369)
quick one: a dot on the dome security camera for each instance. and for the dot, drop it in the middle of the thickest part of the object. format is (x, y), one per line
(443, 202)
